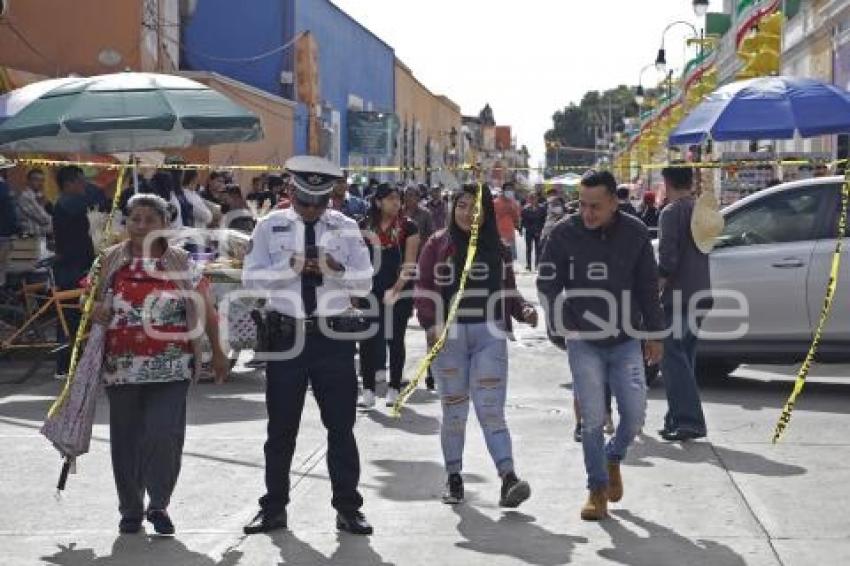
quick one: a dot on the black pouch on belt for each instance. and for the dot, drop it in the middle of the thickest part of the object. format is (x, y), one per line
(262, 331)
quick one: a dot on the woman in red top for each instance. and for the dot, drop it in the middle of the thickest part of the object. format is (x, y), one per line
(393, 241)
(151, 299)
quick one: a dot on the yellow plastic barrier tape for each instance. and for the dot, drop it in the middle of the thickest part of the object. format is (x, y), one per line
(461, 168)
(831, 286)
(441, 340)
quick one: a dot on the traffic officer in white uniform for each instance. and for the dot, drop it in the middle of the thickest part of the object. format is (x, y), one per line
(308, 262)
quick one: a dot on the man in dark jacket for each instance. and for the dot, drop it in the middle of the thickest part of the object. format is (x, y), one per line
(625, 204)
(598, 284)
(685, 286)
(74, 250)
(533, 217)
(8, 219)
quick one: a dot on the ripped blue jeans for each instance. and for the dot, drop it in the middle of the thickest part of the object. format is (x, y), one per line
(620, 367)
(473, 364)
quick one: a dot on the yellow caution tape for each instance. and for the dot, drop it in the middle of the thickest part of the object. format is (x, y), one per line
(94, 279)
(441, 340)
(831, 286)
(460, 168)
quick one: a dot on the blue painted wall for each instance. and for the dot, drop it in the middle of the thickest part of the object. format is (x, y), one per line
(224, 29)
(352, 61)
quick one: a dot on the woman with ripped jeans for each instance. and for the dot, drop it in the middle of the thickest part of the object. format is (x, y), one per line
(473, 363)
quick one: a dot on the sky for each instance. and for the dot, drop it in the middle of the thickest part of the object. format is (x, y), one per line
(528, 58)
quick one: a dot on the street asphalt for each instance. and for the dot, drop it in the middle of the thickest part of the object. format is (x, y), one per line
(731, 499)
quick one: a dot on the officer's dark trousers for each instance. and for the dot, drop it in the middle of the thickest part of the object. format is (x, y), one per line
(147, 427)
(328, 366)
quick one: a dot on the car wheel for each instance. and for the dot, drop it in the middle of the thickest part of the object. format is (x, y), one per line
(714, 370)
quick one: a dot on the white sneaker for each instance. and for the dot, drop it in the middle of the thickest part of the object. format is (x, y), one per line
(392, 396)
(368, 400)
(60, 376)
(381, 376)
(609, 424)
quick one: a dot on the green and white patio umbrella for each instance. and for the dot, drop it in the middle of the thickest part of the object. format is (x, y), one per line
(121, 112)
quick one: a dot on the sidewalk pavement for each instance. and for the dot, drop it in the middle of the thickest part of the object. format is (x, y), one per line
(734, 499)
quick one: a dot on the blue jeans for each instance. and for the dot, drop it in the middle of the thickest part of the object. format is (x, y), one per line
(621, 368)
(678, 366)
(474, 364)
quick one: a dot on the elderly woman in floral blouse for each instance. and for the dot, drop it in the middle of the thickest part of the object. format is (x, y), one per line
(152, 299)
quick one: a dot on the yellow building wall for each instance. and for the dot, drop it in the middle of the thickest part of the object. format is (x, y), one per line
(435, 115)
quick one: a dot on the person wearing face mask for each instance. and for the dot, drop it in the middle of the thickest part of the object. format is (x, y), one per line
(555, 211)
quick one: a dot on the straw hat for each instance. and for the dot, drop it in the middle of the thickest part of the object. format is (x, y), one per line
(707, 222)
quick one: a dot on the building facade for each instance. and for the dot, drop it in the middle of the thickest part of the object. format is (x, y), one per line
(429, 131)
(256, 43)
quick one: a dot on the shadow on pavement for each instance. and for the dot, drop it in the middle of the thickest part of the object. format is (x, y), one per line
(755, 395)
(208, 404)
(409, 421)
(701, 452)
(409, 480)
(662, 546)
(351, 551)
(515, 535)
(132, 550)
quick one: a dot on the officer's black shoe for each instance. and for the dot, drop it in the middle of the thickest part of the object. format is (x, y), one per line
(129, 525)
(161, 522)
(263, 523)
(353, 522)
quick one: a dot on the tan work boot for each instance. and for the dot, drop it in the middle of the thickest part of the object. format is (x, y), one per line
(596, 507)
(615, 482)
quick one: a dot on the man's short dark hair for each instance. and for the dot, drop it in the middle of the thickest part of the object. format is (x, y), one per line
(275, 181)
(623, 193)
(218, 175)
(680, 178)
(68, 174)
(33, 172)
(233, 190)
(600, 179)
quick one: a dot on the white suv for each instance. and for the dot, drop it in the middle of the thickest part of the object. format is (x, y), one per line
(776, 250)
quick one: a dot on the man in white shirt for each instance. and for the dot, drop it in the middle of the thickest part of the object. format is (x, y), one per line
(308, 263)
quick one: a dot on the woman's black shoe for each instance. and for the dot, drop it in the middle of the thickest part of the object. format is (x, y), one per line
(129, 526)
(577, 432)
(263, 523)
(353, 522)
(454, 490)
(514, 491)
(161, 522)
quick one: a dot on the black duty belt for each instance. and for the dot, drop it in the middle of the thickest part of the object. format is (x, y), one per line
(275, 329)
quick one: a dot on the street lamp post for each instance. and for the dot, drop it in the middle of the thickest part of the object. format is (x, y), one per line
(640, 95)
(661, 58)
